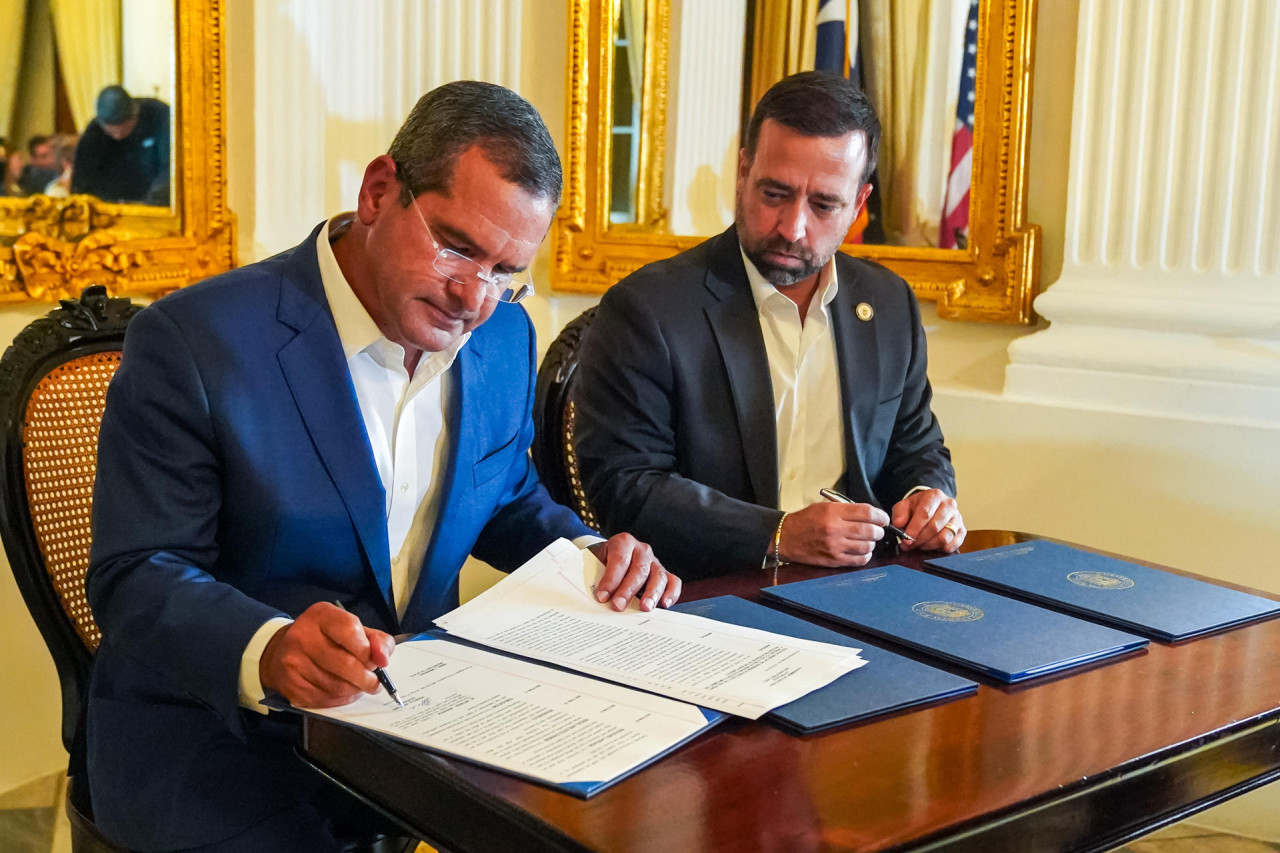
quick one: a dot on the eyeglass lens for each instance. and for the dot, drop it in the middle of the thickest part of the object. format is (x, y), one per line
(504, 287)
(455, 266)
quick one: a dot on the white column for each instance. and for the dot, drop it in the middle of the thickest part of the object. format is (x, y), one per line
(1169, 300)
(333, 80)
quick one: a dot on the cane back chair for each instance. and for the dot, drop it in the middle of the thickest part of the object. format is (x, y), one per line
(554, 418)
(53, 383)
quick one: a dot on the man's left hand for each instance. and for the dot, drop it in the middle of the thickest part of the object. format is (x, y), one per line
(629, 568)
(932, 518)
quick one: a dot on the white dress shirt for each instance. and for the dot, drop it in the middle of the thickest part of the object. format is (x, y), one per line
(805, 373)
(806, 387)
(404, 418)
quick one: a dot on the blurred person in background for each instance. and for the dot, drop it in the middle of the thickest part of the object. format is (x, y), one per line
(123, 154)
(64, 151)
(41, 167)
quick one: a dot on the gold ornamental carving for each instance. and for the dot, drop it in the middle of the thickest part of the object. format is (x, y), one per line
(51, 269)
(66, 218)
(51, 248)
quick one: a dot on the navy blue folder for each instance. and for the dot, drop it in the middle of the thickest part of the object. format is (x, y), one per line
(1007, 639)
(887, 682)
(1147, 601)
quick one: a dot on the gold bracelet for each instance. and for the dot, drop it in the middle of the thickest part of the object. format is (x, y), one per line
(777, 542)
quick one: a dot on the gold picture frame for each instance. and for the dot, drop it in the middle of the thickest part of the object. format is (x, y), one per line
(994, 279)
(52, 248)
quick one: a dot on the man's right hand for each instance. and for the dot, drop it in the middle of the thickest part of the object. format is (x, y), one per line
(832, 534)
(324, 659)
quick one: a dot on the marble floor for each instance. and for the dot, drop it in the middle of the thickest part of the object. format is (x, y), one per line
(32, 818)
(1189, 838)
(32, 821)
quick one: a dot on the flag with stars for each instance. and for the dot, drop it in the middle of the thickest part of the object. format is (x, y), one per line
(838, 50)
(955, 212)
(837, 42)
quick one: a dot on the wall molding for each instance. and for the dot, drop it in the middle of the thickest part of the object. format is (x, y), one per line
(1169, 300)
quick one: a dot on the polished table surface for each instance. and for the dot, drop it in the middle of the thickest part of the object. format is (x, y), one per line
(1084, 761)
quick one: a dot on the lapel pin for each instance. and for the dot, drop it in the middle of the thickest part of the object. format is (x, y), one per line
(864, 311)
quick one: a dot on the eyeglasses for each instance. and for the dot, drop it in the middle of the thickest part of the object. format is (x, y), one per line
(455, 266)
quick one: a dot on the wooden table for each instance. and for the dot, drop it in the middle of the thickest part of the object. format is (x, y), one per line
(1084, 761)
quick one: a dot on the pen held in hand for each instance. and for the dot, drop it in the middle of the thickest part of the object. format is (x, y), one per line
(385, 681)
(378, 671)
(836, 497)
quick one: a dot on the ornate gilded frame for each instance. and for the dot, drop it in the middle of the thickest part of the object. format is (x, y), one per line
(52, 248)
(993, 280)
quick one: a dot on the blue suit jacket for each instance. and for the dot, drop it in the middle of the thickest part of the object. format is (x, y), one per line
(236, 483)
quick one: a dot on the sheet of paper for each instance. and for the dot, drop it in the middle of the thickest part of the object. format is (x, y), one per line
(545, 610)
(518, 716)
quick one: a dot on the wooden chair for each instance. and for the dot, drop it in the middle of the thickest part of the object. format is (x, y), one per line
(53, 384)
(554, 417)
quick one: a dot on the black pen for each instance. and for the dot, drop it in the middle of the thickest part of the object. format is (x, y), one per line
(836, 497)
(383, 678)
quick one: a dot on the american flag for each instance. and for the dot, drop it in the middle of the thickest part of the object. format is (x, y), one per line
(836, 43)
(837, 49)
(955, 211)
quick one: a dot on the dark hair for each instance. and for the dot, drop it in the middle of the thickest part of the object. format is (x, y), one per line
(451, 119)
(36, 141)
(115, 106)
(818, 103)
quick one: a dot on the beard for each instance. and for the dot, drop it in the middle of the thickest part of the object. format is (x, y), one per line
(779, 276)
(783, 276)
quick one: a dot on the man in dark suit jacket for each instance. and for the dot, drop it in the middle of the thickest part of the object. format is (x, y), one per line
(719, 390)
(269, 448)
(123, 154)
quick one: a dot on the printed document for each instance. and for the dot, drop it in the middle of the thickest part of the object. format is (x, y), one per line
(520, 717)
(546, 610)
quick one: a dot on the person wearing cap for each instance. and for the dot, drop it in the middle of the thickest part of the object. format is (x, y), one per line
(123, 155)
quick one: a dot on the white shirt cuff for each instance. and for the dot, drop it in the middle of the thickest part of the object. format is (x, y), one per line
(251, 692)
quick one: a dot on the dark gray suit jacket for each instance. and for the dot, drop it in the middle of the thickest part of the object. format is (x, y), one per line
(676, 436)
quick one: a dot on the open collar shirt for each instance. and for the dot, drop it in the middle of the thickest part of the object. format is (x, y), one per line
(405, 421)
(806, 387)
(404, 417)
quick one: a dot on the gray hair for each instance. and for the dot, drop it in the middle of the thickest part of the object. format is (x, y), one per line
(456, 116)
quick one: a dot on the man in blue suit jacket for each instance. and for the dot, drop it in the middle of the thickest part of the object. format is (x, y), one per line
(344, 422)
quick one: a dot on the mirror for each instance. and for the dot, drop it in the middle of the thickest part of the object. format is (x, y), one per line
(143, 208)
(626, 31)
(661, 89)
